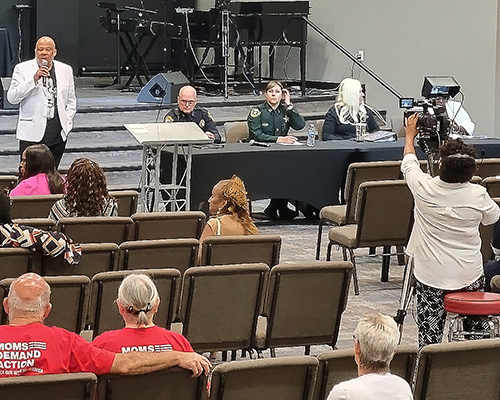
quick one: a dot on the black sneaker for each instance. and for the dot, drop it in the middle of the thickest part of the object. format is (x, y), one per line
(288, 214)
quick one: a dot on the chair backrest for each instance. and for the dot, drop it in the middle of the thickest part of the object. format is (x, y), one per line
(180, 254)
(305, 302)
(8, 181)
(492, 185)
(376, 228)
(104, 315)
(168, 225)
(319, 128)
(33, 206)
(16, 261)
(96, 229)
(453, 370)
(220, 250)
(69, 297)
(358, 173)
(486, 235)
(236, 131)
(47, 224)
(171, 383)
(290, 378)
(96, 257)
(220, 305)
(338, 366)
(127, 201)
(488, 167)
(76, 386)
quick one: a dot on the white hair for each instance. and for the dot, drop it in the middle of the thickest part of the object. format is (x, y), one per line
(348, 107)
(34, 307)
(138, 295)
(378, 336)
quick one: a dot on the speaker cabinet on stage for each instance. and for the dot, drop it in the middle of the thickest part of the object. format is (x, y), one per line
(4, 87)
(162, 88)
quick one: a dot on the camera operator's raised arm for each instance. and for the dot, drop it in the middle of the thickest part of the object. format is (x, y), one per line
(411, 133)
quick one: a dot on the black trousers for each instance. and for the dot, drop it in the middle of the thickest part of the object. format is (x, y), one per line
(57, 150)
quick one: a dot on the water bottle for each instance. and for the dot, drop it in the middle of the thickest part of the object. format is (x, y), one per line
(311, 136)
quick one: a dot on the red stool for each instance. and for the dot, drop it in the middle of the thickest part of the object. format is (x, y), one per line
(478, 304)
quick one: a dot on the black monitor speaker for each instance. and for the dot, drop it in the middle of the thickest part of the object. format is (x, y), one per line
(162, 88)
(4, 87)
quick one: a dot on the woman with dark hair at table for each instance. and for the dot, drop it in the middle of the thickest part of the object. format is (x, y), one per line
(349, 109)
(86, 193)
(270, 122)
(37, 173)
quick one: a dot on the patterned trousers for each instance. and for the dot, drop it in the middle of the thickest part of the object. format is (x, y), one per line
(431, 316)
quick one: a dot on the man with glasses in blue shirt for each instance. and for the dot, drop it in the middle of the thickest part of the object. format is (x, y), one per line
(187, 111)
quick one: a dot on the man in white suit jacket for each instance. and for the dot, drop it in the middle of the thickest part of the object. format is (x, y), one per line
(45, 91)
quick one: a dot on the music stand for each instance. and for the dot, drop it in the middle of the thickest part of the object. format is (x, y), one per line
(155, 138)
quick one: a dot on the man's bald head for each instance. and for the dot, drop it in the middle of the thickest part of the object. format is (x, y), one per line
(45, 49)
(29, 298)
(187, 99)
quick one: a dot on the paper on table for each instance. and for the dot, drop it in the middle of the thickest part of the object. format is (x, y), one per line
(292, 144)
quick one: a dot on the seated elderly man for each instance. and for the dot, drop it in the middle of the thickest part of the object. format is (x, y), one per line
(375, 341)
(187, 111)
(31, 348)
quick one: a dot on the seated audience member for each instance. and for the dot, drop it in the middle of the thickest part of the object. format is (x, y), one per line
(37, 173)
(138, 302)
(349, 109)
(462, 124)
(86, 193)
(492, 267)
(51, 244)
(270, 122)
(60, 351)
(229, 210)
(187, 111)
(375, 341)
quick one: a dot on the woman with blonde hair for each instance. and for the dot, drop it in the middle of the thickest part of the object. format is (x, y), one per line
(86, 193)
(349, 109)
(230, 210)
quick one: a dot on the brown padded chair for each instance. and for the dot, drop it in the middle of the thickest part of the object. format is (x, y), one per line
(338, 366)
(492, 185)
(127, 201)
(96, 229)
(236, 131)
(168, 225)
(96, 257)
(75, 386)
(290, 378)
(104, 315)
(8, 181)
(69, 297)
(220, 250)
(16, 261)
(459, 371)
(172, 383)
(33, 206)
(220, 306)
(375, 228)
(180, 254)
(47, 224)
(357, 173)
(488, 167)
(319, 128)
(486, 235)
(304, 304)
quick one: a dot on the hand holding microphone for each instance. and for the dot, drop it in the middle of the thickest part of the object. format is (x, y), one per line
(43, 72)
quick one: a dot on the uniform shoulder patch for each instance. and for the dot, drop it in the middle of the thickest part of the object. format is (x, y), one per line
(255, 112)
(169, 118)
(209, 115)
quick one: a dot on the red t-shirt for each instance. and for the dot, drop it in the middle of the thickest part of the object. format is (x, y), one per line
(36, 349)
(152, 339)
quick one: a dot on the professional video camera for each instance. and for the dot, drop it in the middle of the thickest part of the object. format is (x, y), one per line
(433, 123)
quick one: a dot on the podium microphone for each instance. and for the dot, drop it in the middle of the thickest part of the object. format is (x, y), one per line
(44, 78)
(259, 144)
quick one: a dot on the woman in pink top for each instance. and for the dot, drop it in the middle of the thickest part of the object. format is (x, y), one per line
(38, 174)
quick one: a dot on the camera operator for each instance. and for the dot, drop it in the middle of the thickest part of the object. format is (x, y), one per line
(462, 124)
(444, 246)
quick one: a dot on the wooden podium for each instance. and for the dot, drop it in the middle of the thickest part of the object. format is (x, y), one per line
(155, 138)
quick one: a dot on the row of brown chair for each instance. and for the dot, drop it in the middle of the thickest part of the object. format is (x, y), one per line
(219, 306)
(146, 254)
(39, 206)
(459, 371)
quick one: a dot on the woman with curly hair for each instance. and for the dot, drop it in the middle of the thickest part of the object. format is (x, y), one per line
(230, 210)
(86, 193)
(37, 173)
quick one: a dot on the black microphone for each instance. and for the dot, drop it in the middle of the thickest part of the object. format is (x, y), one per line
(260, 144)
(44, 78)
